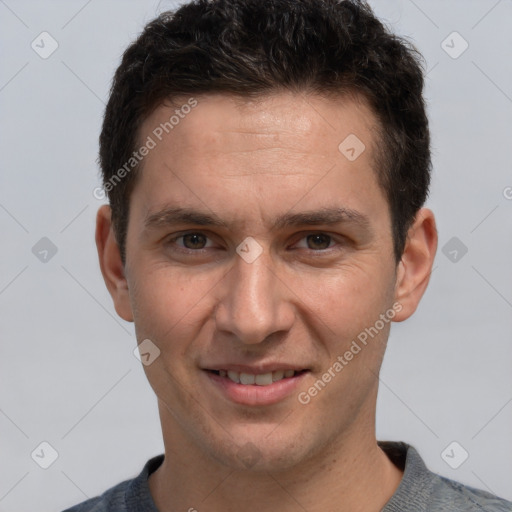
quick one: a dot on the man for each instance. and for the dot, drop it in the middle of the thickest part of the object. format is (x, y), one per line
(266, 164)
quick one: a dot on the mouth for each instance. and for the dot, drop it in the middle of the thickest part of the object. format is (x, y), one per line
(254, 387)
(259, 379)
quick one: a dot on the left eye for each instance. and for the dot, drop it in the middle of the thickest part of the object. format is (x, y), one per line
(317, 241)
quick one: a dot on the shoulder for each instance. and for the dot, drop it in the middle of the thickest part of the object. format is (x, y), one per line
(128, 496)
(451, 495)
(423, 490)
(111, 500)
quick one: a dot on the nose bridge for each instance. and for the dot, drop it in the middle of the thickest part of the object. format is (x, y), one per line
(252, 305)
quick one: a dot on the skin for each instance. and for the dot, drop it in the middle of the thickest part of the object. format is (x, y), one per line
(301, 302)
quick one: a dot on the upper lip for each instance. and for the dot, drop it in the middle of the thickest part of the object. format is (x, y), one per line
(255, 369)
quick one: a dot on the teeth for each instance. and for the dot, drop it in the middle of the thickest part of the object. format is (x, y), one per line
(263, 379)
(247, 378)
(234, 376)
(277, 375)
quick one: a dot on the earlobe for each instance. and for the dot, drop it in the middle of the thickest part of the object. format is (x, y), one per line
(415, 267)
(111, 264)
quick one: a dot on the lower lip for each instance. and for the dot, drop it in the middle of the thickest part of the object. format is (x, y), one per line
(252, 394)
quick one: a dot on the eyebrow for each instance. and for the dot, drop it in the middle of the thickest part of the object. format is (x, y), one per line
(170, 216)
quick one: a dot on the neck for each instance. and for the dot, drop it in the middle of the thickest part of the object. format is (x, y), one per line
(353, 475)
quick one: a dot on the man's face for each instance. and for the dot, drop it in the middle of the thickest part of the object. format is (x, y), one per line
(270, 170)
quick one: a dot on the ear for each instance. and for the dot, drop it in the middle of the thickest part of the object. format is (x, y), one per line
(111, 264)
(415, 267)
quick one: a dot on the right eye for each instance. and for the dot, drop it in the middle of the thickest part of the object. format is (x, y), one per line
(192, 241)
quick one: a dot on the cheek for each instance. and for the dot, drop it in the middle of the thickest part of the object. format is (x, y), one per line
(348, 299)
(169, 304)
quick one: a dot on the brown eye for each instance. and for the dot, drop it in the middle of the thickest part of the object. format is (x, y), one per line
(319, 241)
(194, 240)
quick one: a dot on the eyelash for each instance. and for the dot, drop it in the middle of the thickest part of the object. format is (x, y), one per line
(171, 241)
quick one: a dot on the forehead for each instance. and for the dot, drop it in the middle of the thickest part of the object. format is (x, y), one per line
(279, 148)
(295, 121)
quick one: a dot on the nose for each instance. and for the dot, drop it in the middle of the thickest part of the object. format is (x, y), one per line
(254, 302)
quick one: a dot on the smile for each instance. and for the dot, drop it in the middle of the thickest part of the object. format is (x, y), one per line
(270, 387)
(261, 379)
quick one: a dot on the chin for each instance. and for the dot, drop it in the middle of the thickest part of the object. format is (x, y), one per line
(260, 453)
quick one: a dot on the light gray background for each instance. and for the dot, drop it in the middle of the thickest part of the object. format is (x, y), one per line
(68, 374)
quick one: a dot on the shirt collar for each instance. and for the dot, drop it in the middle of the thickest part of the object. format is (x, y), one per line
(412, 493)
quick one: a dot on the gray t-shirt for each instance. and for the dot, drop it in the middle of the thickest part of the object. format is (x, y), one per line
(420, 490)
